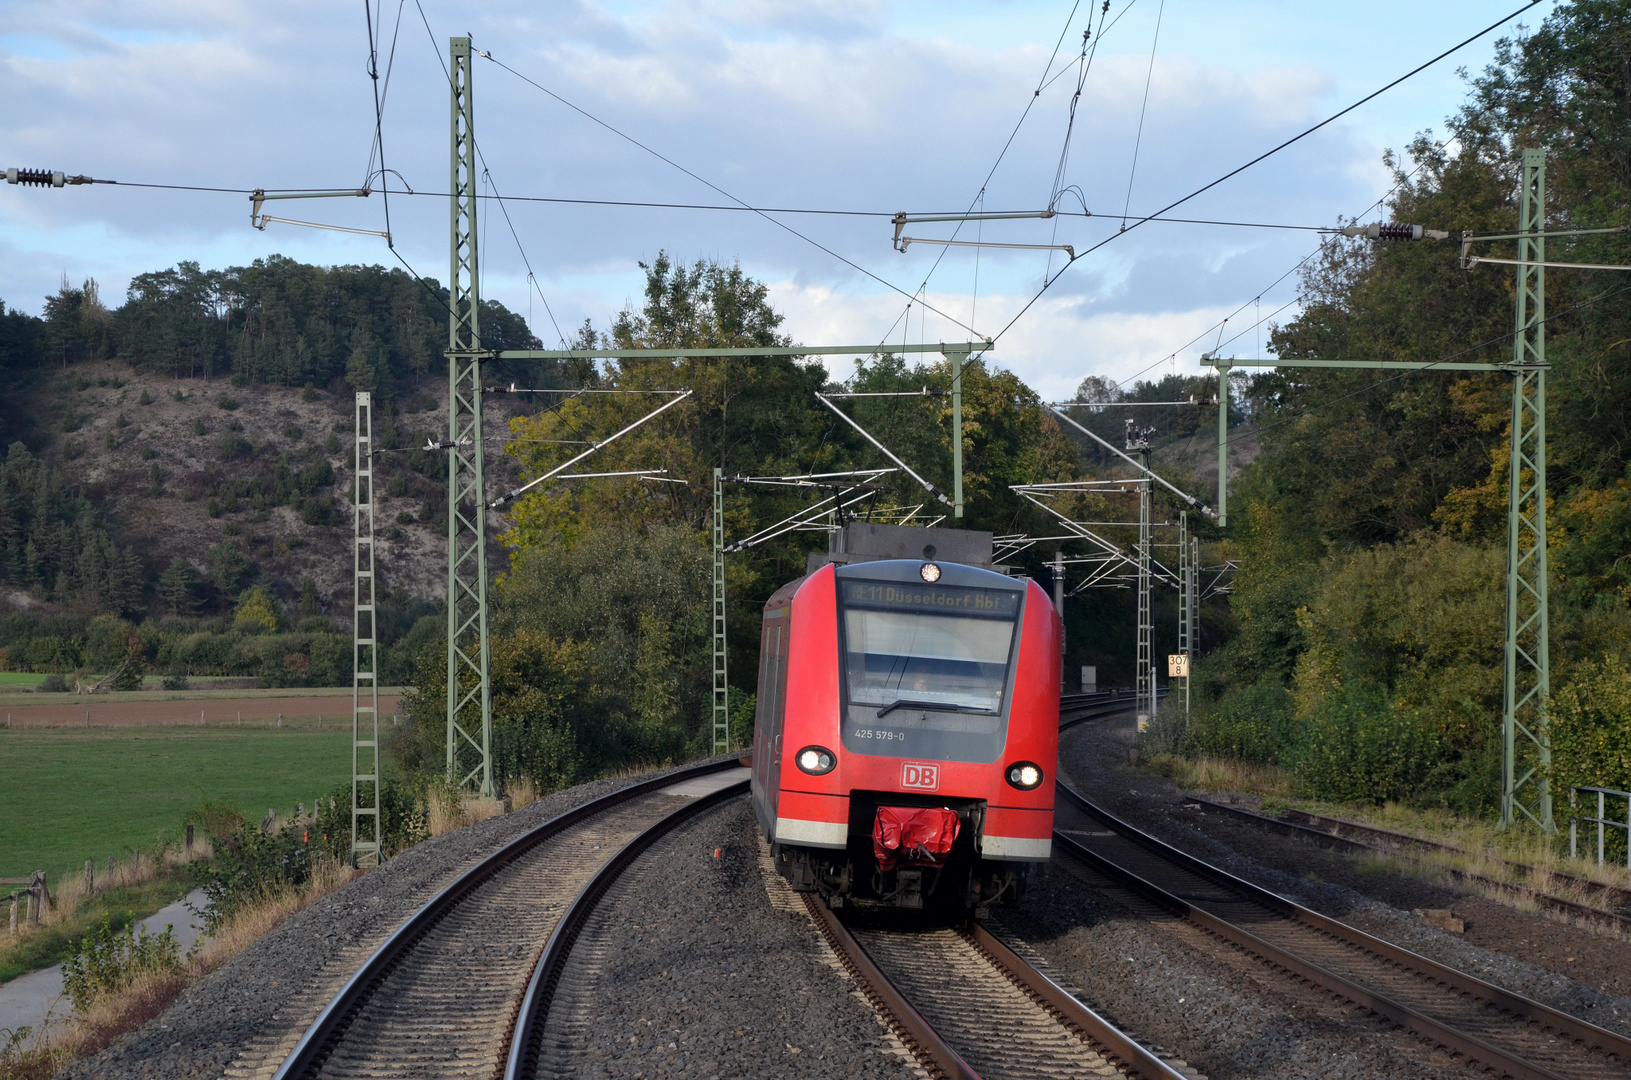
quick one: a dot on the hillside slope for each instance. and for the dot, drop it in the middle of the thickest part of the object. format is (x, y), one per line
(179, 466)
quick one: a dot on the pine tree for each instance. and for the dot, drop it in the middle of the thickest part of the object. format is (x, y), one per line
(178, 587)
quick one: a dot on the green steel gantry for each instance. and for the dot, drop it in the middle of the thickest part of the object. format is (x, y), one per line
(1526, 747)
(1526, 744)
(469, 685)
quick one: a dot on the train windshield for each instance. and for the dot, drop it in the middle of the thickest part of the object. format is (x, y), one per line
(927, 668)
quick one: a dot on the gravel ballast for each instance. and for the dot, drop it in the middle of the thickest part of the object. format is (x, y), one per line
(707, 966)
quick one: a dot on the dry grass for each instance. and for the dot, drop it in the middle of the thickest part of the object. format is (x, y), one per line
(444, 813)
(1488, 848)
(521, 793)
(141, 868)
(1223, 774)
(40, 1054)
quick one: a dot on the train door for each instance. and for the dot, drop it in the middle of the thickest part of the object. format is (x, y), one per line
(777, 627)
(770, 711)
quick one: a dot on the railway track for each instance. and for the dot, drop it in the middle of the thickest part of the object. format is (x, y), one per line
(970, 1007)
(445, 996)
(1500, 1031)
(1079, 708)
(1352, 836)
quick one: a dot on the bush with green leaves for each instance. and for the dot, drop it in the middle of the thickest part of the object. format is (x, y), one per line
(107, 960)
(1357, 746)
(1591, 728)
(251, 865)
(402, 814)
(1164, 734)
(1249, 723)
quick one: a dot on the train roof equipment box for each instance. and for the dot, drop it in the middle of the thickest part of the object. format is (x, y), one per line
(863, 541)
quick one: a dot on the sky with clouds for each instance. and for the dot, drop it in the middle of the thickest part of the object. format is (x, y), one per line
(856, 105)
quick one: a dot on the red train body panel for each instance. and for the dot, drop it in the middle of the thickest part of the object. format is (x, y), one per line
(894, 696)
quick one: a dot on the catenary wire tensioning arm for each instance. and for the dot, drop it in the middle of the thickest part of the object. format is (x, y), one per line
(1085, 533)
(930, 488)
(804, 519)
(510, 496)
(791, 521)
(1190, 499)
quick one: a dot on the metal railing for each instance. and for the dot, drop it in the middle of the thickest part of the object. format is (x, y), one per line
(1602, 820)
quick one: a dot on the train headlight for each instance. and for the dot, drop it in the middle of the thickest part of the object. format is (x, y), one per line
(1024, 775)
(815, 760)
(929, 572)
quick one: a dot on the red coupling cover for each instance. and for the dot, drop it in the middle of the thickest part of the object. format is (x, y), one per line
(920, 835)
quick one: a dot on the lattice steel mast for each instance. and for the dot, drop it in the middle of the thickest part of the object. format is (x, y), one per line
(722, 715)
(1138, 440)
(365, 821)
(1526, 746)
(469, 690)
(1186, 602)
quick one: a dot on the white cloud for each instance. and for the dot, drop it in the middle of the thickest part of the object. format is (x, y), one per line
(1065, 340)
(855, 104)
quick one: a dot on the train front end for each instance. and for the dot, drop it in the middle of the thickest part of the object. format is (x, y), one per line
(909, 732)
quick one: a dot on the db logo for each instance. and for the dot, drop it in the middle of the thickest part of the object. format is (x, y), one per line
(920, 775)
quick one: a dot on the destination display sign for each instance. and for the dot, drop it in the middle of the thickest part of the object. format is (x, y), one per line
(942, 599)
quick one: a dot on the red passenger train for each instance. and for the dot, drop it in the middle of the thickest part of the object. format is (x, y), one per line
(908, 723)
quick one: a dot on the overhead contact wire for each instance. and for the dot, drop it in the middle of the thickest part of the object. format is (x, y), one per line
(715, 187)
(1260, 158)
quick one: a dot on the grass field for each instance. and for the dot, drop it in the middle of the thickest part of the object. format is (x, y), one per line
(20, 678)
(70, 795)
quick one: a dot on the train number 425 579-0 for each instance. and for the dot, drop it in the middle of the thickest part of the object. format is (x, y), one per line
(879, 733)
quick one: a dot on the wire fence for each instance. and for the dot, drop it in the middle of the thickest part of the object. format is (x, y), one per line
(1609, 841)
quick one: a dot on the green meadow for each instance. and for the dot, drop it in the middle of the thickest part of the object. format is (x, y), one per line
(67, 795)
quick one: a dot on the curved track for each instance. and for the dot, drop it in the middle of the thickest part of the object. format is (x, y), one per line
(440, 997)
(1352, 836)
(1495, 1028)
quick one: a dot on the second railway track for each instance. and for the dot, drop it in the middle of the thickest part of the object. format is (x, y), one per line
(1500, 1031)
(440, 997)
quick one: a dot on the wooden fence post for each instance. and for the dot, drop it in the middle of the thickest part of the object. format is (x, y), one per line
(189, 842)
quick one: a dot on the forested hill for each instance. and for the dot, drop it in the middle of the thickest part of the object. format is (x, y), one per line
(1371, 531)
(177, 484)
(188, 452)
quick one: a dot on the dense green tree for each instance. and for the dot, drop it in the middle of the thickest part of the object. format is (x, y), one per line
(1371, 529)
(178, 587)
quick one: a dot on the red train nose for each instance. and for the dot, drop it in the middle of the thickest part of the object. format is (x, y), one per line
(919, 835)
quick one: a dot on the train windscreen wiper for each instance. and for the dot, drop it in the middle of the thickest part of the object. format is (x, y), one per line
(939, 706)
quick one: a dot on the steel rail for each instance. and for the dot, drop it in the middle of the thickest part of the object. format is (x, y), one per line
(908, 1024)
(1345, 835)
(315, 1045)
(1068, 1008)
(1404, 1015)
(936, 1055)
(533, 1009)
